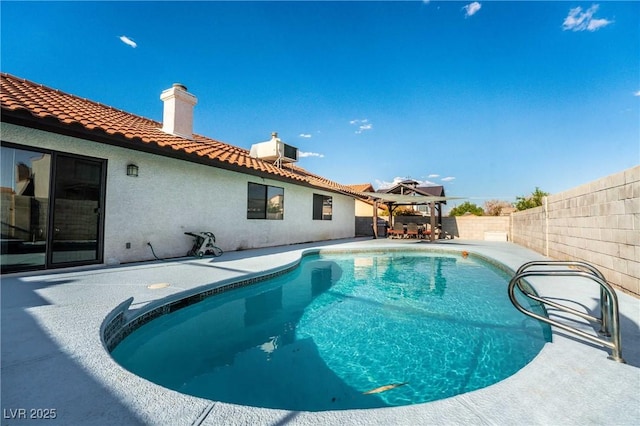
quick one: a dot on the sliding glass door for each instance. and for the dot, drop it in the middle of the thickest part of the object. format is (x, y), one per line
(51, 209)
(24, 204)
(77, 193)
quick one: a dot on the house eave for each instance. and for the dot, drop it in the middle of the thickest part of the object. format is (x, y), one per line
(24, 118)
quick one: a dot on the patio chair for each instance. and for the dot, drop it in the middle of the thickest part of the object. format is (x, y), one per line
(425, 232)
(412, 230)
(397, 231)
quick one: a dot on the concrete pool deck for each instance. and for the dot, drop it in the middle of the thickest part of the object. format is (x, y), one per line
(54, 363)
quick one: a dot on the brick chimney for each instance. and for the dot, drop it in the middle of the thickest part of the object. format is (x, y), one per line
(178, 111)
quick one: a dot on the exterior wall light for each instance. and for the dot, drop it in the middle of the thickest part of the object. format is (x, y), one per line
(132, 170)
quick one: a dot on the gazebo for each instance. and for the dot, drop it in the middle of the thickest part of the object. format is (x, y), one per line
(408, 193)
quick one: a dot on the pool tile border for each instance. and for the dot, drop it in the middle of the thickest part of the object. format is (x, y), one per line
(116, 327)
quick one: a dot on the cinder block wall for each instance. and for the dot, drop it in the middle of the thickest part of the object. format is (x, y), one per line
(527, 229)
(465, 227)
(473, 227)
(598, 222)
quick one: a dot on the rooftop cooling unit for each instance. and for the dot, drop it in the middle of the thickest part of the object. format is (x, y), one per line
(274, 151)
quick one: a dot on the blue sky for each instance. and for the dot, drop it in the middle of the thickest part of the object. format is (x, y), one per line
(490, 99)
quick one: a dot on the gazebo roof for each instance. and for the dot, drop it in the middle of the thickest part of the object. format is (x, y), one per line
(408, 199)
(410, 187)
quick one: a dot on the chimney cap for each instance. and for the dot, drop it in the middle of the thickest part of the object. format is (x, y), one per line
(180, 86)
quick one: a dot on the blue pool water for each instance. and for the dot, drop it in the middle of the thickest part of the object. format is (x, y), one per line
(343, 331)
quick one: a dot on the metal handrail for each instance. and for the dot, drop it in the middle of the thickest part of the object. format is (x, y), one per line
(604, 299)
(609, 315)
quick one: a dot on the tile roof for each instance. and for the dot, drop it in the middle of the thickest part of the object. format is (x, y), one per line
(20, 97)
(408, 187)
(403, 187)
(435, 190)
(362, 187)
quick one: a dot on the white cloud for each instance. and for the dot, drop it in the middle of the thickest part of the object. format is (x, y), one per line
(577, 20)
(382, 184)
(595, 24)
(432, 176)
(303, 154)
(362, 125)
(447, 179)
(637, 93)
(305, 135)
(472, 8)
(128, 41)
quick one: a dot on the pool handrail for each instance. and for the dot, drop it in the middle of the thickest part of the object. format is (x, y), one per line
(604, 300)
(609, 314)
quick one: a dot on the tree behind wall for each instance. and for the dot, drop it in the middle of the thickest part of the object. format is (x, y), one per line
(466, 207)
(406, 211)
(533, 200)
(495, 207)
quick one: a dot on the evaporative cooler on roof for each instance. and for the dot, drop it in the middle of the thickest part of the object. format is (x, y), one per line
(275, 151)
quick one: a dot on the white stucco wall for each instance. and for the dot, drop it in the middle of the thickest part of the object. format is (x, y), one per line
(170, 197)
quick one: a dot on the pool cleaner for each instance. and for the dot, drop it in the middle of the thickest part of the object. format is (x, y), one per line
(203, 244)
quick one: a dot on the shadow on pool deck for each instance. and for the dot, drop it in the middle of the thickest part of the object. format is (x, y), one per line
(52, 357)
(33, 362)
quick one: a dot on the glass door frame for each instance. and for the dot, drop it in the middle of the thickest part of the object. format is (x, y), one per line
(48, 264)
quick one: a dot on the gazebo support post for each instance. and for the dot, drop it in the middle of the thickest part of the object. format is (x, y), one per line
(392, 220)
(432, 211)
(375, 219)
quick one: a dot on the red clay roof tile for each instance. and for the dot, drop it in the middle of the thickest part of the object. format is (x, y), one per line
(18, 94)
(362, 187)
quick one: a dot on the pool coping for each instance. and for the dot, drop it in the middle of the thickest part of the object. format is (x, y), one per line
(123, 321)
(52, 323)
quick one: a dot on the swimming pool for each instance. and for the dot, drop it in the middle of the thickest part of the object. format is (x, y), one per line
(343, 331)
